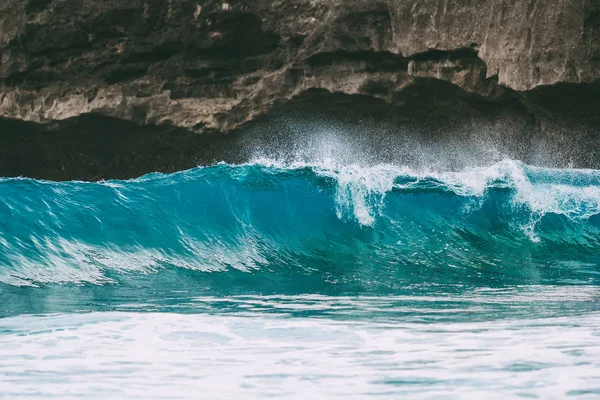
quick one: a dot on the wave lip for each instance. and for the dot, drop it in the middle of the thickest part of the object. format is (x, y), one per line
(345, 225)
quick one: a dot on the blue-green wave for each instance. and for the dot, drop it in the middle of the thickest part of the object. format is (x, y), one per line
(268, 227)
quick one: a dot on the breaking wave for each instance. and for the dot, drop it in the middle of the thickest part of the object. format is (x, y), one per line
(269, 226)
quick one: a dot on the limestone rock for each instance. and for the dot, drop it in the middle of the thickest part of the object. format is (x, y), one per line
(210, 66)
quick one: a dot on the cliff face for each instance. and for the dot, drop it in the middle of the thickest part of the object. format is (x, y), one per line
(201, 67)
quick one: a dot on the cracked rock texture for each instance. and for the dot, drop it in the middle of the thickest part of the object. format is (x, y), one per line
(209, 67)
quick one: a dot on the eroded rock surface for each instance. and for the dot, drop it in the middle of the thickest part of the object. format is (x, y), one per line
(212, 66)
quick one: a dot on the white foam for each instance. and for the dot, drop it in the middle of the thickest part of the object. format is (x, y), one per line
(177, 356)
(361, 190)
(71, 261)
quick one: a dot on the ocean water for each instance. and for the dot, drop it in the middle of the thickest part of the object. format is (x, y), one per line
(303, 281)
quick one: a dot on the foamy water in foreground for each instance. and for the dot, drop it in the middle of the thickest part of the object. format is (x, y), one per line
(255, 354)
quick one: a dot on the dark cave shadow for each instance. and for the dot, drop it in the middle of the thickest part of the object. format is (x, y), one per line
(430, 125)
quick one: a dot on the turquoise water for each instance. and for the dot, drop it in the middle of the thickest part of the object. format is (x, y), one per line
(296, 280)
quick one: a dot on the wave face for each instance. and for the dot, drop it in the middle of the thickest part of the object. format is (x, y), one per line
(272, 228)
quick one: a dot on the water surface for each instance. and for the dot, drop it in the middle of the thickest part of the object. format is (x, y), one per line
(296, 280)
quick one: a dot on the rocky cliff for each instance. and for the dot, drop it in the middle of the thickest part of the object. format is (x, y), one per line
(94, 89)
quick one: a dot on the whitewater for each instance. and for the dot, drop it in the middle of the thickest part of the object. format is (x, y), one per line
(295, 280)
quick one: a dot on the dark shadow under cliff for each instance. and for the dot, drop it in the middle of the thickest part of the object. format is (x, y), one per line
(432, 124)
